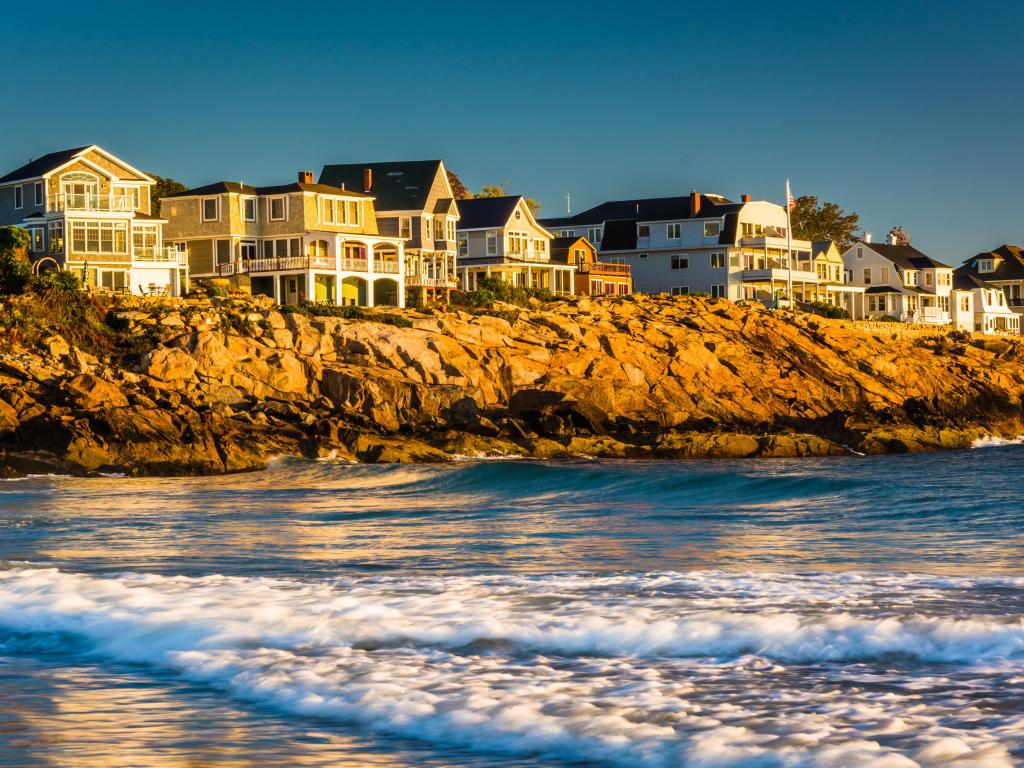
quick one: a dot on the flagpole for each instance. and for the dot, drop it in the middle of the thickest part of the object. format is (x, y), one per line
(789, 247)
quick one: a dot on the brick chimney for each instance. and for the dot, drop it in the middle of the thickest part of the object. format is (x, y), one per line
(305, 177)
(694, 203)
(745, 198)
(367, 179)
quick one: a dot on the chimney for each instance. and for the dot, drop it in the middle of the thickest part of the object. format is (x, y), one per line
(867, 237)
(694, 203)
(367, 179)
(305, 177)
(745, 198)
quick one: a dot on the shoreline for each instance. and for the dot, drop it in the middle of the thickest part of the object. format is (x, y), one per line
(200, 387)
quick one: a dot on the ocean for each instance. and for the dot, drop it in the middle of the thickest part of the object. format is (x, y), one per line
(860, 611)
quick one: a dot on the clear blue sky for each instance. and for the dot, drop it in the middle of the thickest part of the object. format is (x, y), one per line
(908, 113)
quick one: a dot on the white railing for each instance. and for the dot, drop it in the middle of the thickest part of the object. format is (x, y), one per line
(385, 266)
(431, 282)
(89, 201)
(166, 255)
(354, 265)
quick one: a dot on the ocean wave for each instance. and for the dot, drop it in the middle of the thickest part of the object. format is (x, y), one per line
(636, 669)
(991, 441)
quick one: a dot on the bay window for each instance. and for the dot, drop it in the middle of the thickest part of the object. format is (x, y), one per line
(99, 237)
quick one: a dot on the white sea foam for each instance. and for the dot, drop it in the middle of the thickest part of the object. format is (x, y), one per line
(702, 669)
(991, 441)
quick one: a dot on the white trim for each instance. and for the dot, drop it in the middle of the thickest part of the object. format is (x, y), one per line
(19, 197)
(202, 209)
(243, 199)
(270, 207)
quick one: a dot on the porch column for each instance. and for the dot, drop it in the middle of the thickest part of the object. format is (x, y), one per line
(310, 285)
(369, 292)
(277, 288)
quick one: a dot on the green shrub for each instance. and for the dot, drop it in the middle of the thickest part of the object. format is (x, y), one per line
(56, 280)
(15, 273)
(216, 291)
(492, 289)
(827, 310)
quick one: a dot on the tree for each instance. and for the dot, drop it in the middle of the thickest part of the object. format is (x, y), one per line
(460, 190)
(825, 222)
(164, 186)
(15, 269)
(899, 236)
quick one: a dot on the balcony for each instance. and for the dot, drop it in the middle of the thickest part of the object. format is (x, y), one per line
(89, 201)
(601, 268)
(302, 263)
(417, 281)
(385, 266)
(152, 254)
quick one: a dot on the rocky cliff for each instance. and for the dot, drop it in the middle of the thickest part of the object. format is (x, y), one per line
(201, 387)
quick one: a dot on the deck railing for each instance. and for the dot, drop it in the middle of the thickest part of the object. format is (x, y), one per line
(165, 255)
(89, 201)
(606, 268)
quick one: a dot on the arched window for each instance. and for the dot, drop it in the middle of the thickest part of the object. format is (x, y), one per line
(317, 249)
(80, 190)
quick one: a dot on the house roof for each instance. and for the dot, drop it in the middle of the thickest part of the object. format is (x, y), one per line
(906, 256)
(647, 209)
(398, 186)
(1009, 264)
(965, 281)
(35, 168)
(882, 289)
(221, 187)
(619, 235)
(822, 247)
(487, 212)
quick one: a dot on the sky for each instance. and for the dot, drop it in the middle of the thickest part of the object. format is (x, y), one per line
(908, 113)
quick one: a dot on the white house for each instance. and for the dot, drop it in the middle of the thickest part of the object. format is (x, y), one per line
(899, 281)
(702, 243)
(983, 307)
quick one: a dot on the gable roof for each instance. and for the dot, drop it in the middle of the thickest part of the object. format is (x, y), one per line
(965, 281)
(647, 209)
(222, 187)
(487, 212)
(397, 186)
(35, 168)
(1009, 263)
(905, 256)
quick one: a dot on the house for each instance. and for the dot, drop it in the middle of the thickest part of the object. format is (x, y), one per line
(700, 243)
(295, 242)
(826, 261)
(899, 281)
(499, 237)
(414, 202)
(88, 211)
(981, 306)
(592, 277)
(1002, 268)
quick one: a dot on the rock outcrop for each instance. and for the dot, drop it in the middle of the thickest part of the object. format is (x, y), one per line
(203, 387)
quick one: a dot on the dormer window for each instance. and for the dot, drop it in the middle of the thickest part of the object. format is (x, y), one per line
(594, 235)
(712, 228)
(986, 265)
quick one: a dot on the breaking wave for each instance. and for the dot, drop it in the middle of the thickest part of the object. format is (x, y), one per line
(633, 669)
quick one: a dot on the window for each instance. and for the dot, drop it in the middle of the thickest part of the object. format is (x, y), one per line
(594, 235)
(247, 250)
(492, 243)
(223, 251)
(39, 193)
(569, 233)
(596, 287)
(353, 213)
(56, 237)
(451, 231)
(680, 290)
(405, 227)
(673, 231)
(19, 197)
(718, 292)
(734, 260)
(718, 261)
(464, 245)
(641, 255)
(112, 279)
(860, 252)
(144, 241)
(712, 228)
(277, 209)
(885, 274)
(881, 303)
(249, 208)
(428, 229)
(680, 262)
(99, 237)
(540, 247)
(965, 302)
(867, 276)
(327, 211)
(643, 230)
(927, 278)
(211, 208)
(268, 249)
(985, 265)
(37, 239)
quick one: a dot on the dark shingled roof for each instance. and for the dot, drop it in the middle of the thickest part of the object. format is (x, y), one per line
(220, 187)
(647, 209)
(882, 289)
(1010, 264)
(619, 235)
(905, 256)
(487, 212)
(45, 164)
(964, 281)
(398, 186)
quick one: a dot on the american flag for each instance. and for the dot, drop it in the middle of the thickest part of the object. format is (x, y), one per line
(790, 201)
